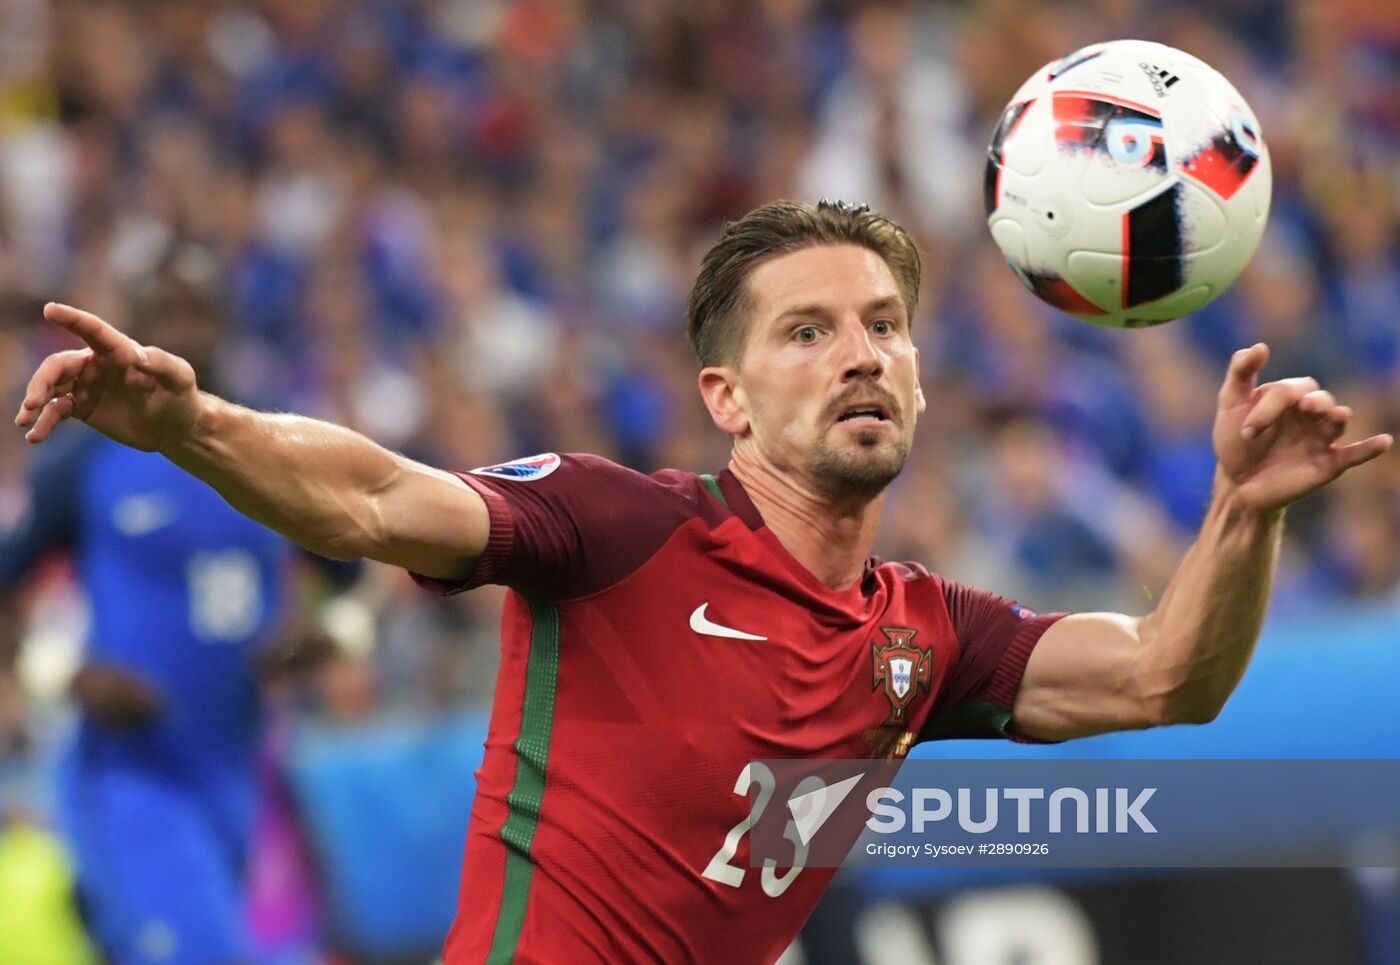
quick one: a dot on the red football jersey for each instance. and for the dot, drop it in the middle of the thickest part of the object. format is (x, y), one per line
(658, 639)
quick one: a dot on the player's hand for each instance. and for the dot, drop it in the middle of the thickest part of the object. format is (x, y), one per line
(138, 395)
(115, 697)
(1279, 441)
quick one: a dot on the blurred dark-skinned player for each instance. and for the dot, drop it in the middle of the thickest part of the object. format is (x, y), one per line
(187, 600)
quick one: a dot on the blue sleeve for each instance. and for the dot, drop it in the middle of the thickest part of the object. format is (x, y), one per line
(50, 520)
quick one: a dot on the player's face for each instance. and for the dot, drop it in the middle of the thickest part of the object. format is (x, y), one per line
(829, 373)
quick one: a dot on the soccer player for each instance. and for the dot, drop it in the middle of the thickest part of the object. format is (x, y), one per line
(665, 631)
(157, 794)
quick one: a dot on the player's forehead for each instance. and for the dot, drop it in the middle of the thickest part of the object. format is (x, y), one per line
(821, 278)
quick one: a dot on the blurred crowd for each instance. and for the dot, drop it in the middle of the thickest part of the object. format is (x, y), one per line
(468, 228)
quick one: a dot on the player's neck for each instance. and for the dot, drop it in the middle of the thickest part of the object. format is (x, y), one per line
(831, 538)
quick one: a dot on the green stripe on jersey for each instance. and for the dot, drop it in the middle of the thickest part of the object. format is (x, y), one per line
(532, 756)
(713, 486)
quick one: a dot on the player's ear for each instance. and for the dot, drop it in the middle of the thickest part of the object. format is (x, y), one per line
(919, 403)
(724, 396)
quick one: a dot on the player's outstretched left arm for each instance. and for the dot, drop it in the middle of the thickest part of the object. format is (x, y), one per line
(1095, 672)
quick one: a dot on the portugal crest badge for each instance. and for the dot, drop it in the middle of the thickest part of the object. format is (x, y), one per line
(902, 668)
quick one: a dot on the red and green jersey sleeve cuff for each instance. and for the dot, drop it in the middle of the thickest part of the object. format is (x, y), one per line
(1006, 681)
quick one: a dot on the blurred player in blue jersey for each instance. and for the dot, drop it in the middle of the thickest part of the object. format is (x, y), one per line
(159, 792)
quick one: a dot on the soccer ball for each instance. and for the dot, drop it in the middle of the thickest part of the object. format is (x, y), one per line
(1127, 184)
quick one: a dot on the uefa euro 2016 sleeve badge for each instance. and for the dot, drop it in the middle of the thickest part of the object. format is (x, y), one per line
(903, 668)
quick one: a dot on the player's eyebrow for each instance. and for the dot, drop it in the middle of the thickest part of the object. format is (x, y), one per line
(888, 303)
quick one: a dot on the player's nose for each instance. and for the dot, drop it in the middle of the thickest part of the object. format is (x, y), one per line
(860, 356)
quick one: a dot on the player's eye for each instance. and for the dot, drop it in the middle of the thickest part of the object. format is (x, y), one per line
(807, 334)
(882, 326)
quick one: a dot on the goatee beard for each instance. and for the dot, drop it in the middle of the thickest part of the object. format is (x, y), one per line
(865, 473)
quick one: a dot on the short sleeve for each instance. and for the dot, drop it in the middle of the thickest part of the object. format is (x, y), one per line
(569, 525)
(995, 639)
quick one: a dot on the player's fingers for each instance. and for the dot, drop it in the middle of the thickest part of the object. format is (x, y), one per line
(1364, 451)
(54, 413)
(1245, 366)
(58, 369)
(1334, 422)
(1317, 403)
(101, 337)
(1302, 384)
(1274, 400)
(170, 371)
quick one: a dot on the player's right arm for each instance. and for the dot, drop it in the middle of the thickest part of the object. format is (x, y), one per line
(323, 486)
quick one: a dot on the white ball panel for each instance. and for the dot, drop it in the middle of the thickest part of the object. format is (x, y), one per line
(1181, 302)
(1031, 142)
(1098, 275)
(1108, 184)
(1011, 239)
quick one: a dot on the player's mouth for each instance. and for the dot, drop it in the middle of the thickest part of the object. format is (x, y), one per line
(865, 413)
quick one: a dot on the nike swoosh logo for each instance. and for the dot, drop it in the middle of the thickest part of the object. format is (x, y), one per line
(699, 624)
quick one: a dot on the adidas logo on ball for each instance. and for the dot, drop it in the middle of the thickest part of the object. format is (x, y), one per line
(1161, 79)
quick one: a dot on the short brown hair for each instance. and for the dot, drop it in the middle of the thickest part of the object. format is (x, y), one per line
(777, 228)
